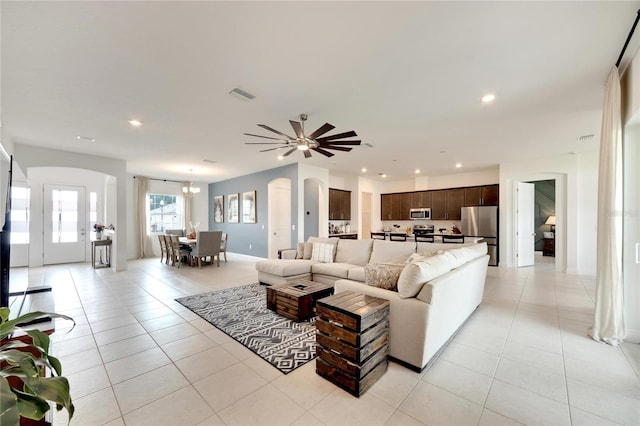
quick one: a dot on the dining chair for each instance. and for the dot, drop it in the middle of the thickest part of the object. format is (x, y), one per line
(163, 248)
(223, 245)
(378, 236)
(178, 251)
(398, 236)
(456, 239)
(207, 244)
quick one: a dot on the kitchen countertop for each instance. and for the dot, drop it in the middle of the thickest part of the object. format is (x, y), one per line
(343, 233)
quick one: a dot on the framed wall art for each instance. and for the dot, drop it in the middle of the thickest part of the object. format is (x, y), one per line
(232, 208)
(218, 208)
(249, 207)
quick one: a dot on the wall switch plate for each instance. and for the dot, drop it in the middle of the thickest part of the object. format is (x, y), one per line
(249, 246)
(293, 227)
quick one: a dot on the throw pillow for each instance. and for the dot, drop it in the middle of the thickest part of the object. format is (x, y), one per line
(322, 252)
(382, 275)
(300, 251)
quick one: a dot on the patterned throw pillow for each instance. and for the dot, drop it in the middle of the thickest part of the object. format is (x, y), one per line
(323, 252)
(300, 251)
(382, 275)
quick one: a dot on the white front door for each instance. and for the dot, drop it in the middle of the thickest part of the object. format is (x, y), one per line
(279, 216)
(525, 227)
(64, 224)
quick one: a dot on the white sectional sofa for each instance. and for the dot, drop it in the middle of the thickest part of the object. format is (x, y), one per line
(435, 294)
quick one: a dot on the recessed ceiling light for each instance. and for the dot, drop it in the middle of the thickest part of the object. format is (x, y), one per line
(384, 175)
(135, 123)
(417, 171)
(458, 165)
(85, 138)
(488, 98)
(364, 170)
(280, 157)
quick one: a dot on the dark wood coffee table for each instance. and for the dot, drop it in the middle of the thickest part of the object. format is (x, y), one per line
(296, 299)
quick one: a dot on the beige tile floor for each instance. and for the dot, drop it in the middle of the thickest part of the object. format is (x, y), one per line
(137, 357)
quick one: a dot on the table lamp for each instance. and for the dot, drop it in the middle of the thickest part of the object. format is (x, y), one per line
(551, 221)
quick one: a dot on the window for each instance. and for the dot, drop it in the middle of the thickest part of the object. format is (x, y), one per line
(20, 215)
(165, 212)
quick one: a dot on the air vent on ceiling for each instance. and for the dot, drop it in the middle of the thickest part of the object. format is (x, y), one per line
(584, 138)
(241, 94)
(368, 145)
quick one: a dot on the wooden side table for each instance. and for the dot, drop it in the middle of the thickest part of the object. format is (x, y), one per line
(353, 340)
(549, 247)
(101, 243)
(296, 299)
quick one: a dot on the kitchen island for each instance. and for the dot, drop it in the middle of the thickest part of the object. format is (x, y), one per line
(345, 235)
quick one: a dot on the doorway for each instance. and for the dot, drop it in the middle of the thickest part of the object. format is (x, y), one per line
(64, 224)
(279, 223)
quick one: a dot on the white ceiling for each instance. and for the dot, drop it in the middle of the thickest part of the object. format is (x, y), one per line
(407, 77)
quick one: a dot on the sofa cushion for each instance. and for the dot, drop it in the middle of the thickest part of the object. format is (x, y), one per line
(416, 274)
(391, 251)
(304, 251)
(323, 252)
(356, 252)
(338, 270)
(382, 275)
(284, 268)
(460, 256)
(357, 274)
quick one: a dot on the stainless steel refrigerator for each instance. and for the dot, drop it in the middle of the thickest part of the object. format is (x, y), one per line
(482, 222)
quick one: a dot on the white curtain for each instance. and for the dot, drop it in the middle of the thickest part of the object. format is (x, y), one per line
(186, 206)
(608, 323)
(144, 242)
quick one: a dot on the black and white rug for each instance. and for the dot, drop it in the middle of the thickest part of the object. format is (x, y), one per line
(241, 312)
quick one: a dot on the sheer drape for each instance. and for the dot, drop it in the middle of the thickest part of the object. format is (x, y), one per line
(186, 207)
(144, 241)
(608, 324)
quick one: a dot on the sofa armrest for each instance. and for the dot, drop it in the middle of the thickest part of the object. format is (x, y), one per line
(289, 253)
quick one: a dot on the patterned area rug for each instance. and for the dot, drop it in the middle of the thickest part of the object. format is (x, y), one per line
(241, 312)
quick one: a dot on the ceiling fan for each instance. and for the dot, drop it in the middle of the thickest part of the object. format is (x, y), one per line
(303, 142)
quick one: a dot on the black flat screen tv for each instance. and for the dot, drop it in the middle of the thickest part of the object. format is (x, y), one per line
(6, 170)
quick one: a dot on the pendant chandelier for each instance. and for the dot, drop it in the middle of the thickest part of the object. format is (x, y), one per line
(190, 190)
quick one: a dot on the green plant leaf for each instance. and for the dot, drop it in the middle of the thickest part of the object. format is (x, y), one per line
(7, 327)
(31, 406)
(4, 314)
(9, 413)
(55, 365)
(40, 339)
(24, 361)
(56, 389)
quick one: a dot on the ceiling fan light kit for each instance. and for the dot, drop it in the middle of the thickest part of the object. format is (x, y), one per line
(302, 142)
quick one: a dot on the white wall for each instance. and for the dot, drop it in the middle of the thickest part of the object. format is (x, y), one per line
(587, 219)
(306, 171)
(458, 180)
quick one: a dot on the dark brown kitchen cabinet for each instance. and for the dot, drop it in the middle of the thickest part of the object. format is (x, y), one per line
(439, 205)
(339, 204)
(490, 195)
(446, 204)
(420, 199)
(455, 202)
(386, 206)
(481, 195)
(395, 206)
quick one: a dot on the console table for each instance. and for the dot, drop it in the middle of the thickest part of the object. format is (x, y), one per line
(101, 243)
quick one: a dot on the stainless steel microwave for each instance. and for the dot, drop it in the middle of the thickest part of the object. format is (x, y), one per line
(420, 214)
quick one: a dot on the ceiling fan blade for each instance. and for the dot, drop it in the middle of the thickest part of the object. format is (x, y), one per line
(337, 148)
(266, 137)
(290, 151)
(340, 143)
(271, 149)
(307, 154)
(265, 143)
(348, 134)
(323, 152)
(297, 127)
(326, 127)
(264, 126)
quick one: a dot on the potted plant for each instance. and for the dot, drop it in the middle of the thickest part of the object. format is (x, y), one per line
(24, 361)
